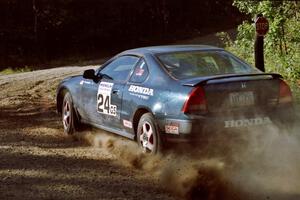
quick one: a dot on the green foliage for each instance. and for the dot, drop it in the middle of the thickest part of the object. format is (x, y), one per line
(9, 70)
(282, 49)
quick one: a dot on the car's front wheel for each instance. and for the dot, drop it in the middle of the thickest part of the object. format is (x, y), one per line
(69, 118)
(148, 136)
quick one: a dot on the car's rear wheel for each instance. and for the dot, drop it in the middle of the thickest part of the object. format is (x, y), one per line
(148, 136)
(69, 118)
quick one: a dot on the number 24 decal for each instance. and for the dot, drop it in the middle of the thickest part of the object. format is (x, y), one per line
(104, 105)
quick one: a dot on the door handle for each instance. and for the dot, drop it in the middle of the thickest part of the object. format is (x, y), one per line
(115, 91)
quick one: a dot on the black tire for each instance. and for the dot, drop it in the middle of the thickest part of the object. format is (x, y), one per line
(148, 135)
(69, 118)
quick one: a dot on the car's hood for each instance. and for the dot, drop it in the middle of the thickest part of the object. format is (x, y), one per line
(70, 77)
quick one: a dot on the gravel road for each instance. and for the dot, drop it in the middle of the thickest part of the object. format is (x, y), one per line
(37, 161)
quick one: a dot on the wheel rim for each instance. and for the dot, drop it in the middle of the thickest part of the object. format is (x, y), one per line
(146, 137)
(66, 115)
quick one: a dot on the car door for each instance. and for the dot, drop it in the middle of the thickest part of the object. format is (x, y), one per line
(103, 100)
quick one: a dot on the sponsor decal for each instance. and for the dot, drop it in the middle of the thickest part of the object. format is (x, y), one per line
(141, 90)
(247, 122)
(127, 123)
(83, 81)
(140, 71)
(104, 105)
(105, 87)
(140, 96)
(172, 128)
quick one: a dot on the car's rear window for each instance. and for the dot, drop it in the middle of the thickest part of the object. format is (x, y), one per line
(191, 64)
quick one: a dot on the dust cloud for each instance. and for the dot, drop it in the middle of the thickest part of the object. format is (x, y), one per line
(269, 165)
(261, 164)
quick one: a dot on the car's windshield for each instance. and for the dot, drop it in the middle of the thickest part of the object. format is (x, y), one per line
(191, 64)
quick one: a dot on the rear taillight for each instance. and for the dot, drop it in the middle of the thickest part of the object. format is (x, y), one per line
(285, 94)
(196, 102)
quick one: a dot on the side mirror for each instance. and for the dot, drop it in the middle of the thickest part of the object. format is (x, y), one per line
(89, 74)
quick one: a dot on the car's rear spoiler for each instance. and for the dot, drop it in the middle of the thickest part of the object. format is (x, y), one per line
(203, 81)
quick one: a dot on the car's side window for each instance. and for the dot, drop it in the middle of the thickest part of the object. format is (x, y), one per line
(140, 73)
(120, 68)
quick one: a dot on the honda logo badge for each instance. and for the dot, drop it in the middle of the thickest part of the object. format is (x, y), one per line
(244, 85)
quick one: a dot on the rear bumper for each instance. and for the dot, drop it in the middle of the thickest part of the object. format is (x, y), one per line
(203, 128)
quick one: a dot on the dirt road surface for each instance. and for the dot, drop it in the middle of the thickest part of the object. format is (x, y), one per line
(37, 161)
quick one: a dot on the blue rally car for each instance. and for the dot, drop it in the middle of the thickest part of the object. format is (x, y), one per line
(162, 94)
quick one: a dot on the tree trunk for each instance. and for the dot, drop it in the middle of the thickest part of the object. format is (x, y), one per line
(35, 26)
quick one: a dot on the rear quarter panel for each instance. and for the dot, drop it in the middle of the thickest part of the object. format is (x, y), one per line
(163, 95)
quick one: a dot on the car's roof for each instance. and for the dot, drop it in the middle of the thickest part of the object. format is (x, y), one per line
(168, 48)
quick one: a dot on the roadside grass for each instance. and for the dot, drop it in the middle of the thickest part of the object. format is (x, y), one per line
(10, 70)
